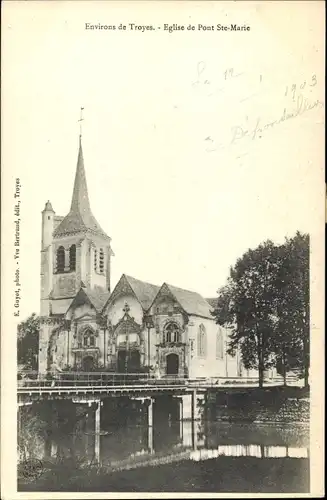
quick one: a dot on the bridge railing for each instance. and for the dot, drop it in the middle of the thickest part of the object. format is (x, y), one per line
(93, 379)
(241, 381)
(112, 379)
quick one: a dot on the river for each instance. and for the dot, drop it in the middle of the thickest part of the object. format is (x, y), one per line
(220, 452)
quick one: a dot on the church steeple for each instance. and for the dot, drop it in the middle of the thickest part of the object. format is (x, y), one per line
(80, 218)
(80, 200)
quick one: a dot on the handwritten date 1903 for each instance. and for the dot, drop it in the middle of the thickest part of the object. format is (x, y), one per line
(292, 89)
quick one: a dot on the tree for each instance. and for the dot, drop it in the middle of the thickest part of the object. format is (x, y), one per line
(28, 342)
(292, 342)
(245, 304)
(283, 341)
(266, 303)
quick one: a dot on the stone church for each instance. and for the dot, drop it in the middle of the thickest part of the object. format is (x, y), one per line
(136, 326)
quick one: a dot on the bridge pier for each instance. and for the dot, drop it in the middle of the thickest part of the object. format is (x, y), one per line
(150, 424)
(93, 428)
(194, 435)
(97, 431)
(180, 414)
(180, 400)
(193, 404)
(193, 419)
(148, 402)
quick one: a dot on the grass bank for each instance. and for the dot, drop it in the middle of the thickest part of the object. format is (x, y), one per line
(225, 474)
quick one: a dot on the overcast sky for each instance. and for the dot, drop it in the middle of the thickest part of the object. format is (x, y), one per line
(173, 178)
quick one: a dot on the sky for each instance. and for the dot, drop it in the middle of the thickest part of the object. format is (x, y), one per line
(188, 160)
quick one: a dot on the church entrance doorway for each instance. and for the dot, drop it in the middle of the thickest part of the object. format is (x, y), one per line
(128, 361)
(172, 364)
(122, 362)
(134, 362)
(88, 364)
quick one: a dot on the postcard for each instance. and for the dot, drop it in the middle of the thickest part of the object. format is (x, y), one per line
(163, 211)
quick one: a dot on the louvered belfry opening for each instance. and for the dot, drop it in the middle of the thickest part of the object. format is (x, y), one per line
(72, 258)
(60, 260)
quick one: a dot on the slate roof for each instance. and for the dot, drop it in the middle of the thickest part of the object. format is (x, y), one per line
(96, 296)
(145, 292)
(191, 302)
(60, 306)
(80, 217)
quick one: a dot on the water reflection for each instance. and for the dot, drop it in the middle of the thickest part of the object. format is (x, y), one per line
(188, 441)
(126, 436)
(127, 441)
(129, 438)
(251, 450)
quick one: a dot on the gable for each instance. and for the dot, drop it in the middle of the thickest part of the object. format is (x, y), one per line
(81, 304)
(122, 288)
(165, 302)
(191, 303)
(94, 299)
(127, 285)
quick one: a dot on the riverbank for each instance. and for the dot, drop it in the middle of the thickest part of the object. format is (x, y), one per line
(259, 405)
(224, 474)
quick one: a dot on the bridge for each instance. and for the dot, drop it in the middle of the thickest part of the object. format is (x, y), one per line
(32, 385)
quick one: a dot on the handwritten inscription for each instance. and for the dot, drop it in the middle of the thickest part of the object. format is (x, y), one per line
(302, 106)
(17, 291)
(250, 128)
(203, 81)
(292, 89)
(241, 133)
(211, 88)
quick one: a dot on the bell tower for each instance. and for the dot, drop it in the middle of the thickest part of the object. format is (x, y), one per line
(76, 252)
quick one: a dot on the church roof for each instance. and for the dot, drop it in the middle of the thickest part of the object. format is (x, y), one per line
(191, 302)
(96, 296)
(145, 292)
(80, 217)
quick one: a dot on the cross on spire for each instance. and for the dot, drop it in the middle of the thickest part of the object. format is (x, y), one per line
(80, 122)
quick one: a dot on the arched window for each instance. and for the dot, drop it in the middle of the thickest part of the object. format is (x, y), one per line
(72, 258)
(60, 260)
(202, 341)
(88, 339)
(219, 344)
(101, 261)
(172, 333)
(95, 259)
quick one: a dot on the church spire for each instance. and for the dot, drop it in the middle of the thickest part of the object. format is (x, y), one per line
(80, 199)
(80, 218)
